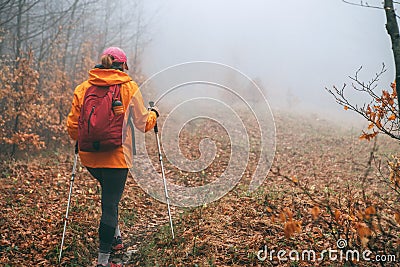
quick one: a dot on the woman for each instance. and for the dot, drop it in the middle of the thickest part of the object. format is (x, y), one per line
(109, 167)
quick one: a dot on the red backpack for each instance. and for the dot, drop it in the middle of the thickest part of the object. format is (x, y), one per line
(99, 128)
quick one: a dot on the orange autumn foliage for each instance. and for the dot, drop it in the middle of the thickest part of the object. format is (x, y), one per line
(394, 168)
(292, 227)
(381, 111)
(397, 217)
(369, 211)
(363, 232)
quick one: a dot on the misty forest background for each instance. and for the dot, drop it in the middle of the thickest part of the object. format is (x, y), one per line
(327, 182)
(46, 49)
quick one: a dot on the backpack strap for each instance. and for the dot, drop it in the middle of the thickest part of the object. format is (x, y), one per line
(115, 92)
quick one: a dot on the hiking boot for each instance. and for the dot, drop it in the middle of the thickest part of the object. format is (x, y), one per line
(110, 264)
(117, 243)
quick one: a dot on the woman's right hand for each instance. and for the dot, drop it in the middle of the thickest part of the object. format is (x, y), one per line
(156, 110)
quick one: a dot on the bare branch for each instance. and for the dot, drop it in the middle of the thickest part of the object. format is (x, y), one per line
(384, 122)
(16, 14)
(362, 4)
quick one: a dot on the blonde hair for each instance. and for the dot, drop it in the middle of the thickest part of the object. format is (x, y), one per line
(107, 60)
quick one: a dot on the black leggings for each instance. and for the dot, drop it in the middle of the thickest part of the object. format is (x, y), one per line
(112, 183)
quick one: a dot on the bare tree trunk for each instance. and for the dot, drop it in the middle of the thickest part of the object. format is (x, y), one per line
(18, 48)
(393, 30)
(136, 47)
(69, 32)
(18, 41)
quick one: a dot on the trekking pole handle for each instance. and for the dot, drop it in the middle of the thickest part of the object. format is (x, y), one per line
(151, 104)
(76, 147)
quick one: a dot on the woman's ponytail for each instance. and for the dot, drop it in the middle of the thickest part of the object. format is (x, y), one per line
(106, 61)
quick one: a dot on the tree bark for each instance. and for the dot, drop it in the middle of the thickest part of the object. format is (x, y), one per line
(18, 41)
(69, 32)
(393, 30)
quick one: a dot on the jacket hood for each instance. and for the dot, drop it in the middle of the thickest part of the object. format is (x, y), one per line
(107, 77)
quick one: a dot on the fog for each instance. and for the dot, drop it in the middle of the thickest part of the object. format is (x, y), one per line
(293, 48)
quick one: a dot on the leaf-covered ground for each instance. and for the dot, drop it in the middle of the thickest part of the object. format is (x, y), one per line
(324, 185)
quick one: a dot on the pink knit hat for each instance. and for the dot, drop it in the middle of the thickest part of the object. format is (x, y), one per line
(117, 53)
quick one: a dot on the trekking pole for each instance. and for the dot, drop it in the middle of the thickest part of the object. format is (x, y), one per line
(69, 199)
(151, 103)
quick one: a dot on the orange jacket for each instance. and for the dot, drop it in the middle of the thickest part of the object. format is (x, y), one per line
(144, 120)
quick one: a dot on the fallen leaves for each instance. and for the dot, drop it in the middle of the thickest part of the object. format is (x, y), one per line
(229, 231)
(315, 212)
